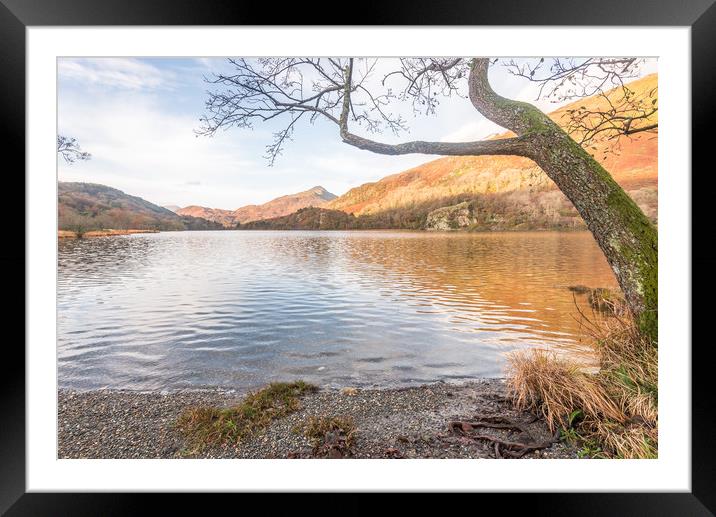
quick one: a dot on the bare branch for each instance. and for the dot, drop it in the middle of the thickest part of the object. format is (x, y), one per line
(562, 79)
(271, 89)
(509, 146)
(70, 150)
(345, 92)
(429, 78)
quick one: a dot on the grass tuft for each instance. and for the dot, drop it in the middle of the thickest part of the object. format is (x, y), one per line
(204, 426)
(555, 387)
(612, 413)
(330, 437)
(316, 429)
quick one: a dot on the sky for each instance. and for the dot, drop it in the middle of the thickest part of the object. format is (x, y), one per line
(138, 117)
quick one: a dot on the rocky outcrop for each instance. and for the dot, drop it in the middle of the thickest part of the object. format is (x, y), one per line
(451, 217)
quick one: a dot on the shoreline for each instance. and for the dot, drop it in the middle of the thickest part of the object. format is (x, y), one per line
(420, 230)
(409, 422)
(68, 234)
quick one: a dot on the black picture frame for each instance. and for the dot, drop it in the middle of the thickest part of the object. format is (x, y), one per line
(700, 15)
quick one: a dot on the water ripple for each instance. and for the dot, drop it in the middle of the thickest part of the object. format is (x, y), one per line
(238, 309)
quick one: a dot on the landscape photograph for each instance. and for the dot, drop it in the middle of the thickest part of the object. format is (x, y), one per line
(357, 257)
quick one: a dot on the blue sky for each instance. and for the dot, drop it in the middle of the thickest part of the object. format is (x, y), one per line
(137, 117)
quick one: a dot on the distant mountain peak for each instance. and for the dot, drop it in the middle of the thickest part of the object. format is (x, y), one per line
(284, 205)
(316, 196)
(321, 192)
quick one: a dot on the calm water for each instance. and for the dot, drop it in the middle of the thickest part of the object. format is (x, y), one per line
(239, 309)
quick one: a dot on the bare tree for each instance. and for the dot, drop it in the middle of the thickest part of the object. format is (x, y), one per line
(345, 92)
(70, 150)
(622, 112)
(78, 223)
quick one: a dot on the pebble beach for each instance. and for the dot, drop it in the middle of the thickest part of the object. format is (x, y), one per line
(389, 423)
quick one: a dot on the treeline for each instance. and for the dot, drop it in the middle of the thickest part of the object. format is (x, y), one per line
(519, 210)
(123, 220)
(310, 218)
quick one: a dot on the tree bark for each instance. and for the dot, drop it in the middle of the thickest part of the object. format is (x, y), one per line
(625, 235)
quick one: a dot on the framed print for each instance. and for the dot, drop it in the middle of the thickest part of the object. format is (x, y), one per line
(415, 256)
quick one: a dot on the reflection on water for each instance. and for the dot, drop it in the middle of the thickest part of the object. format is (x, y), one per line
(239, 309)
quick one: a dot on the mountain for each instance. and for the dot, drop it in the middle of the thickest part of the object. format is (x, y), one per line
(512, 192)
(92, 206)
(284, 205)
(173, 208)
(223, 217)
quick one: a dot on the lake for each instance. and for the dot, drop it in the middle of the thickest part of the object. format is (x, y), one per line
(238, 309)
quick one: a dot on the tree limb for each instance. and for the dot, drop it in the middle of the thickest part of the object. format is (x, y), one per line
(520, 117)
(518, 146)
(650, 127)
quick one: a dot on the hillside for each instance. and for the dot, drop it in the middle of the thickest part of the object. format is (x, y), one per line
(90, 206)
(223, 217)
(284, 205)
(309, 218)
(514, 188)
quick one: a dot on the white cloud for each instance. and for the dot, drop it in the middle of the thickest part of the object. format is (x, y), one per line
(120, 73)
(207, 62)
(140, 148)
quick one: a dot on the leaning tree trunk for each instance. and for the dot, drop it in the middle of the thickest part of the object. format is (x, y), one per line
(625, 235)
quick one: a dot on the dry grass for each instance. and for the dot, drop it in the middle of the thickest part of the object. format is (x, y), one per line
(203, 426)
(317, 428)
(330, 437)
(555, 387)
(608, 301)
(614, 412)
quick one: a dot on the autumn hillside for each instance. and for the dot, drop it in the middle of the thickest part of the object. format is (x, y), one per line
(90, 206)
(514, 191)
(284, 205)
(223, 217)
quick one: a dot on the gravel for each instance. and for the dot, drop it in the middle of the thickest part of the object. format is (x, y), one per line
(391, 423)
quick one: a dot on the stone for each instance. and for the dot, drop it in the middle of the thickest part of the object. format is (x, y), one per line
(451, 217)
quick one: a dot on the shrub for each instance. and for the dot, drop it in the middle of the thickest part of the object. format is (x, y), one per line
(614, 412)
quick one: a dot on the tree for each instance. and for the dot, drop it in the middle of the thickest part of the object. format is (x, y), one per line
(343, 92)
(70, 150)
(78, 223)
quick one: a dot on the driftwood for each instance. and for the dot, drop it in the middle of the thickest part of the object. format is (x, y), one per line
(503, 447)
